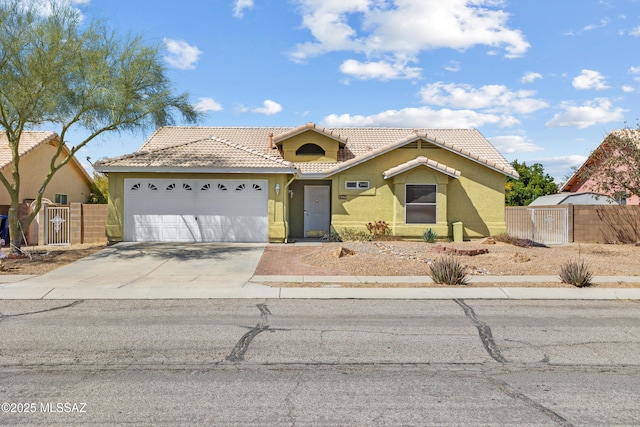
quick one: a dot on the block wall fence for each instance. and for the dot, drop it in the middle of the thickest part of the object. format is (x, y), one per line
(87, 222)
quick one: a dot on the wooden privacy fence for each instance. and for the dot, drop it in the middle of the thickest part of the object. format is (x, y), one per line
(548, 226)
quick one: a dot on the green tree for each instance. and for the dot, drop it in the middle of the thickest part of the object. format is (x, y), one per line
(55, 70)
(532, 184)
(99, 190)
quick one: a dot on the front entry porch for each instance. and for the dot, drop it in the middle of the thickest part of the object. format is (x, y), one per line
(309, 209)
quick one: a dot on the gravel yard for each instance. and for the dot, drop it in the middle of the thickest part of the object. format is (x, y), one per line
(403, 258)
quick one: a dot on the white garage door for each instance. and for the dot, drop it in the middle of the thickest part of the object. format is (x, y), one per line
(173, 210)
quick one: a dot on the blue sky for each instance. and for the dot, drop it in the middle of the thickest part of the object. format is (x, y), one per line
(543, 80)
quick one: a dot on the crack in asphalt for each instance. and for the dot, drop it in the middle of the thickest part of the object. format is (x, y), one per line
(484, 331)
(241, 347)
(74, 303)
(510, 391)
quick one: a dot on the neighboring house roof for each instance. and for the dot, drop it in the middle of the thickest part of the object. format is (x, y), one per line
(585, 198)
(578, 175)
(357, 145)
(29, 141)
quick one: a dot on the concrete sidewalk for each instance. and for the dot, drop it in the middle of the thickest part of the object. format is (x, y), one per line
(176, 287)
(227, 270)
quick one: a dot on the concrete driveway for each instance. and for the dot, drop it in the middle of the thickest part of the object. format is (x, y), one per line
(159, 265)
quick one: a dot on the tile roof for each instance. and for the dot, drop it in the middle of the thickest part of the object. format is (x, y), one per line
(215, 153)
(360, 144)
(421, 160)
(28, 141)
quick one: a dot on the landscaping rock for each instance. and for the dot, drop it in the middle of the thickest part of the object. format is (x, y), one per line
(342, 252)
(454, 251)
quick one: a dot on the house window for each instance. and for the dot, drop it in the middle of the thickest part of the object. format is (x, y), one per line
(356, 185)
(61, 199)
(310, 149)
(420, 205)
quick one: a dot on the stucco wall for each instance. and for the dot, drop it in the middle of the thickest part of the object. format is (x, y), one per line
(590, 186)
(291, 145)
(34, 167)
(476, 198)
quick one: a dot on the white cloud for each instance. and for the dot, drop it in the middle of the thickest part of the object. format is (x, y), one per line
(635, 32)
(561, 167)
(204, 105)
(404, 28)
(269, 108)
(415, 117)
(514, 144)
(181, 54)
(628, 89)
(603, 23)
(45, 8)
(590, 113)
(452, 66)
(530, 77)
(589, 79)
(493, 98)
(634, 70)
(240, 6)
(380, 70)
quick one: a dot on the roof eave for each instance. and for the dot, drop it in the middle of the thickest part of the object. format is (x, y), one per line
(145, 169)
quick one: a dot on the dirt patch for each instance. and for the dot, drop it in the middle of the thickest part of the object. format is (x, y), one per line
(400, 258)
(41, 260)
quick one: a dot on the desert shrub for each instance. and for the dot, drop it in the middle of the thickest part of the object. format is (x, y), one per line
(331, 237)
(429, 236)
(576, 273)
(448, 271)
(378, 229)
(352, 235)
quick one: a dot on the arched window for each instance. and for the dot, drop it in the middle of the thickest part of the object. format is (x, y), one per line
(310, 149)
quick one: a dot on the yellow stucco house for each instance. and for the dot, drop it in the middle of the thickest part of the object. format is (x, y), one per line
(70, 184)
(273, 184)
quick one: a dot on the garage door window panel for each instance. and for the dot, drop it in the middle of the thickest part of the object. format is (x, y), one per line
(421, 204)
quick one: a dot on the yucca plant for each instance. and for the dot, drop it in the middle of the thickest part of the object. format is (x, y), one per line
(429, 236)
(576, 273)
(448, 271)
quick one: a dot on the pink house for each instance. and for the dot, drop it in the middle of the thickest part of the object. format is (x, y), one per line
(588, 177)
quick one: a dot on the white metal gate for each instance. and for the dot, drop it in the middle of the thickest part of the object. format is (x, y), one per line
(57, 228)
(549, 226)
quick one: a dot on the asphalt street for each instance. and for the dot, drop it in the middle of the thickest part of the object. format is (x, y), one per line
(319, 362)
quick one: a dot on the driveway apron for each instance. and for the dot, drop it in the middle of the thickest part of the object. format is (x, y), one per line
(152, 265)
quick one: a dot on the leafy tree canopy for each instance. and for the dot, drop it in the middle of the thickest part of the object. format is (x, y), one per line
(61, 73)
(532, 184)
